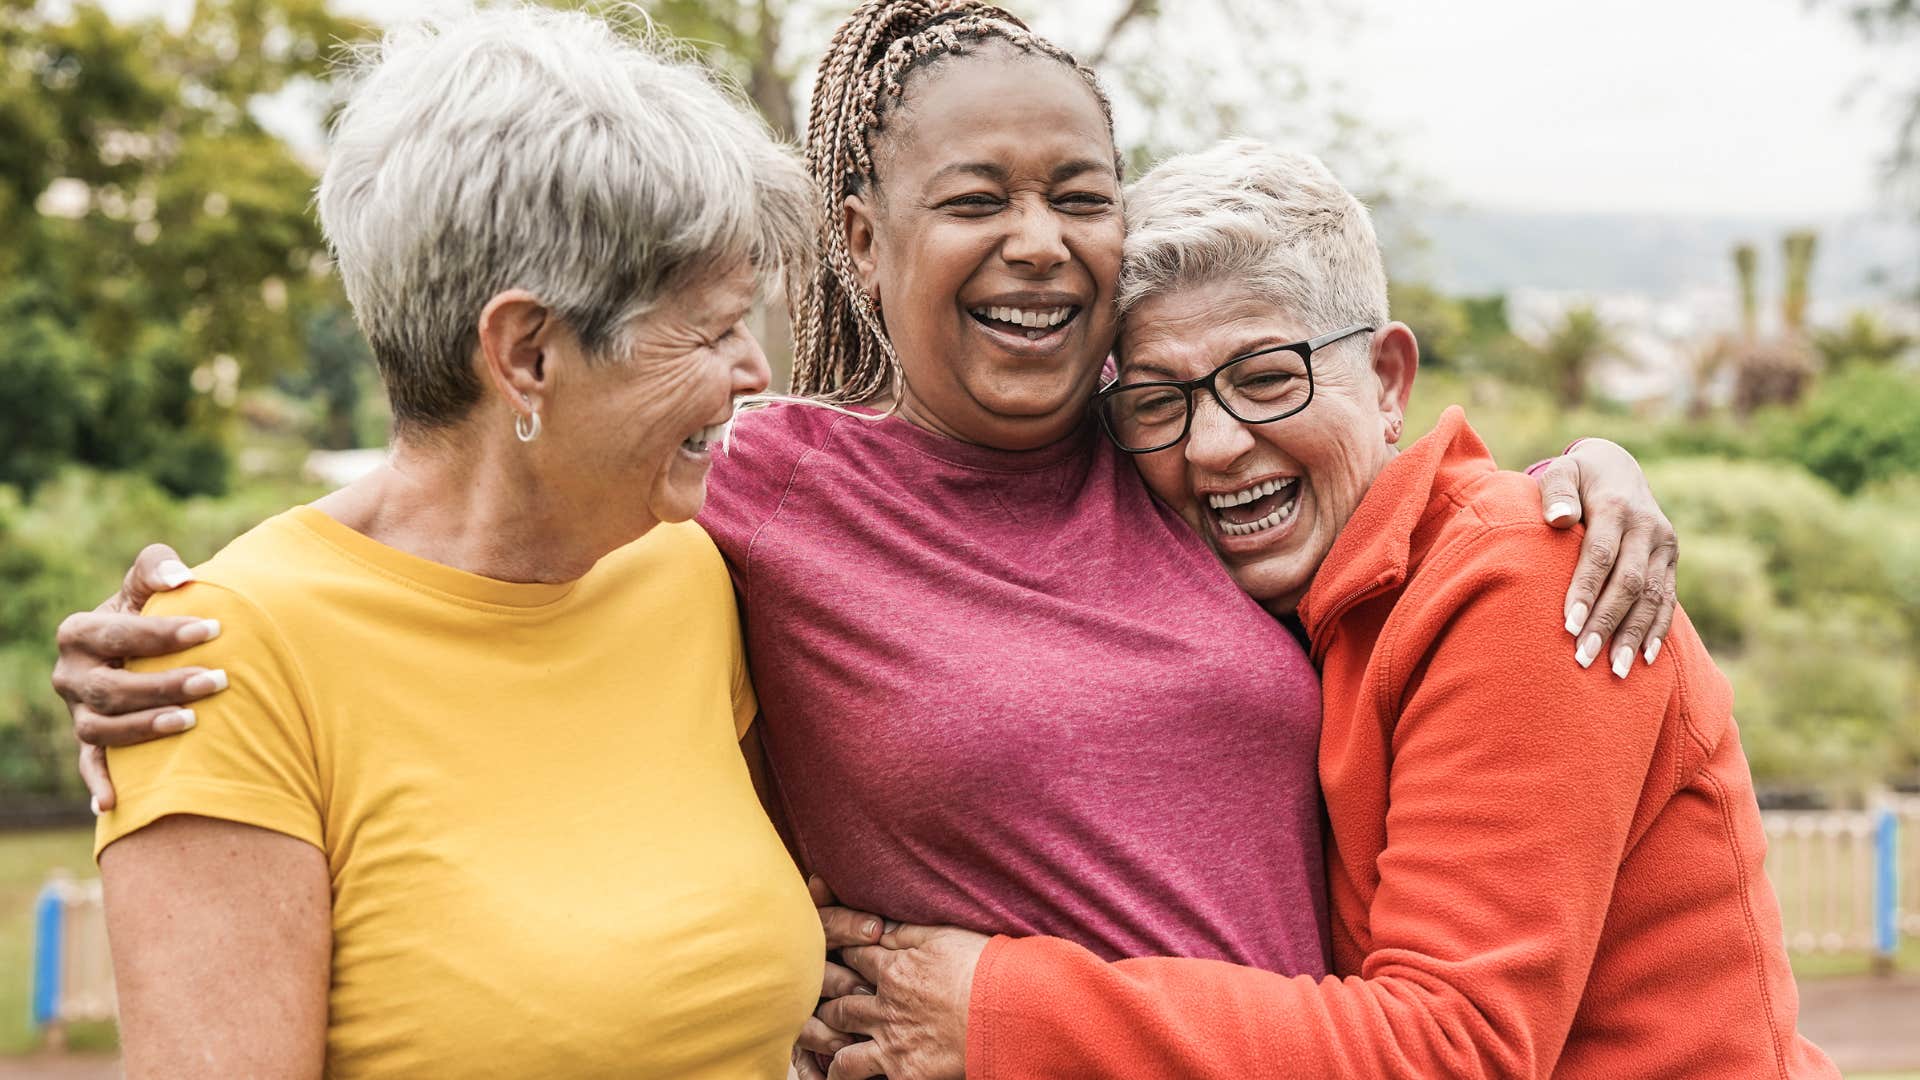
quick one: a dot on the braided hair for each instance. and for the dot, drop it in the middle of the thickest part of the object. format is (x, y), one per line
(841, 350)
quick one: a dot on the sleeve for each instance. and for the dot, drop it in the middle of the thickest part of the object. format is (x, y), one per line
(1540, 466)
(1516, 777)
(746, 705)
(249, 757)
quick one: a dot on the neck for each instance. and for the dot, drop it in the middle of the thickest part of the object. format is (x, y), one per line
(1019, 434)
(485, 509)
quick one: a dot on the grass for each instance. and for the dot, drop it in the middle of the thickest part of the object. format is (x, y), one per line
(25, 861)
(1832, 965)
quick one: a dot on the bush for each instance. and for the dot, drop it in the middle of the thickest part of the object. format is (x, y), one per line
(1859, 427)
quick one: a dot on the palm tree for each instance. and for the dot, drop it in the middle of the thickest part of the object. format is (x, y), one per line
(1572, 350)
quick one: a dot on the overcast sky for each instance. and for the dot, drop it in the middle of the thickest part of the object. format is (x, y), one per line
(1683, 106)
(1694, 106)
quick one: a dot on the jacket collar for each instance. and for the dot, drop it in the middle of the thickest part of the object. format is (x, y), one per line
(1375, 552)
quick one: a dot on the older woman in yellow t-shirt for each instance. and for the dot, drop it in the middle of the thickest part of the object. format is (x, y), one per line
(389, 849)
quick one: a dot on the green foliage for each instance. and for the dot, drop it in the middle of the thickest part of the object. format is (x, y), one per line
(161, 253)
(1438, 321)
(67, 550)
(1858, 427)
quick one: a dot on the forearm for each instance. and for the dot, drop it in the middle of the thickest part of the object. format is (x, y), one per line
(221, 943)
(1044, 1008)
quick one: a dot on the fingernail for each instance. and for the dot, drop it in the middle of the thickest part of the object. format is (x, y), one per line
(1653, 649)
(95, 803)
(1576, 618)
(1589, 649)
(867, 990)
(207, 682)
(196, 632)
(891, 927)
(1560, 510)
(173, 573)
(1622, 661)
(170, 723)
(870, 927)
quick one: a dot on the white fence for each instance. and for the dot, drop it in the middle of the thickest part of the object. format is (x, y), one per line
(1848, 881)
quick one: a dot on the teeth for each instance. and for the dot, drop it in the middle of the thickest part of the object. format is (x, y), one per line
(1257, 491)
(1278, 517)
(699, 439)
(1035, 319)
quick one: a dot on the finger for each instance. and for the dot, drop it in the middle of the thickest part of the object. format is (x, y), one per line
(869, 962)
(1663, 619)
(840, 981)
(845, 926)
(93, 771)
(130, 729)
(1599, 549)
(858, 1062)
(1560, 492)
(816, 1037)
(855, 1014)
(806, 1066)
(116, 692)
(817, 889)
(1625, 584)
(101, 635)
(156, 569)
(1634, 628)
(895, 935)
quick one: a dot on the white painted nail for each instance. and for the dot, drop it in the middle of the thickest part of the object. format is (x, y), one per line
(1653, 649)
(1622, 661)
(198, 631)
(1560, 510)
(95, 803)
(207, 682)
(173, 573)
(1589, 649)
(1576, 618)
(170, 723)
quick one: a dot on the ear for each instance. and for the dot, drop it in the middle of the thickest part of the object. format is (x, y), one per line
(516, 332)
(1396, 359)
(858, 223)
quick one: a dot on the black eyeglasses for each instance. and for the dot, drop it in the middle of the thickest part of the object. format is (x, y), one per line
(1259, 388)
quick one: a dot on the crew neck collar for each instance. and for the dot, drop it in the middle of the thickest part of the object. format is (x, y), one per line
(1078, 443)
(425, 574)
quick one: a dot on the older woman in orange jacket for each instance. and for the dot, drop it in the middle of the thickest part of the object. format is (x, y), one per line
(1530, 874)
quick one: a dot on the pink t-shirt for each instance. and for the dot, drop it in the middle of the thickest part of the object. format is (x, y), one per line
(1010, 691)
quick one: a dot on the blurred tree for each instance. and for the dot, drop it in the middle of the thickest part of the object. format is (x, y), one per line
(1440, 322)
(1864, 340)
(164, 230)
(1571, 351)
(1860, 427)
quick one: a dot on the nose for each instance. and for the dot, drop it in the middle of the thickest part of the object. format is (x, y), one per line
(1215, 440)
(751, 372)
(1036, 241)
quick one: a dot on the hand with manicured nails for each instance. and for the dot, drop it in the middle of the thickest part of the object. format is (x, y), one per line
(1624, 586)
(115, 707)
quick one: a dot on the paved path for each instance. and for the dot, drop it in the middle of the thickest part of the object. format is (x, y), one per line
(1866, 1024)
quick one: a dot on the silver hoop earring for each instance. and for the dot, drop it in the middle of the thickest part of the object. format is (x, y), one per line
(527, 427)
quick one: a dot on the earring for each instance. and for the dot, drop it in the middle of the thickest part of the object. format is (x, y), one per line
(527, 427)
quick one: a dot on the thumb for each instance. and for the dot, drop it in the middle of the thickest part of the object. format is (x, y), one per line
(909, 935)
(157, 569)
(1559, 482)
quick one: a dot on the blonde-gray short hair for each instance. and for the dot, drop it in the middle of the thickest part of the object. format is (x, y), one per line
(598, 168)
(1245, 212)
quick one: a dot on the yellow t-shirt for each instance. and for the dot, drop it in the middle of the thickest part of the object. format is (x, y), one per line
(547, 856)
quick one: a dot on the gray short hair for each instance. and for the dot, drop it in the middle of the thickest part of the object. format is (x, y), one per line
(598, 168)
(1245, 212)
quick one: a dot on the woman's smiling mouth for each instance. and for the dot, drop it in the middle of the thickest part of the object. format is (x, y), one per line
(1027, 323)
(1256, 508)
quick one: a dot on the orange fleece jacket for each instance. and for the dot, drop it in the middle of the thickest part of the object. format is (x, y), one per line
(1534, 871)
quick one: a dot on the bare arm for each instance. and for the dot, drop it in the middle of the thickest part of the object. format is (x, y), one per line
(222, 949)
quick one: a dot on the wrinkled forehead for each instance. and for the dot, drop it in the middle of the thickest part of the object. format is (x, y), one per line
(1187, 331)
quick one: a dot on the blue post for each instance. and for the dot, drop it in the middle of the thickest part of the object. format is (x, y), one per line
(48, 912)
(1886, 890)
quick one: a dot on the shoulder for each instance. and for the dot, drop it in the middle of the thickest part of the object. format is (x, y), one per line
(677, 558)
(754, 467)
(271, 569)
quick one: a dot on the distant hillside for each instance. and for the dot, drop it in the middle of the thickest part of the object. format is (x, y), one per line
(1481, 251)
